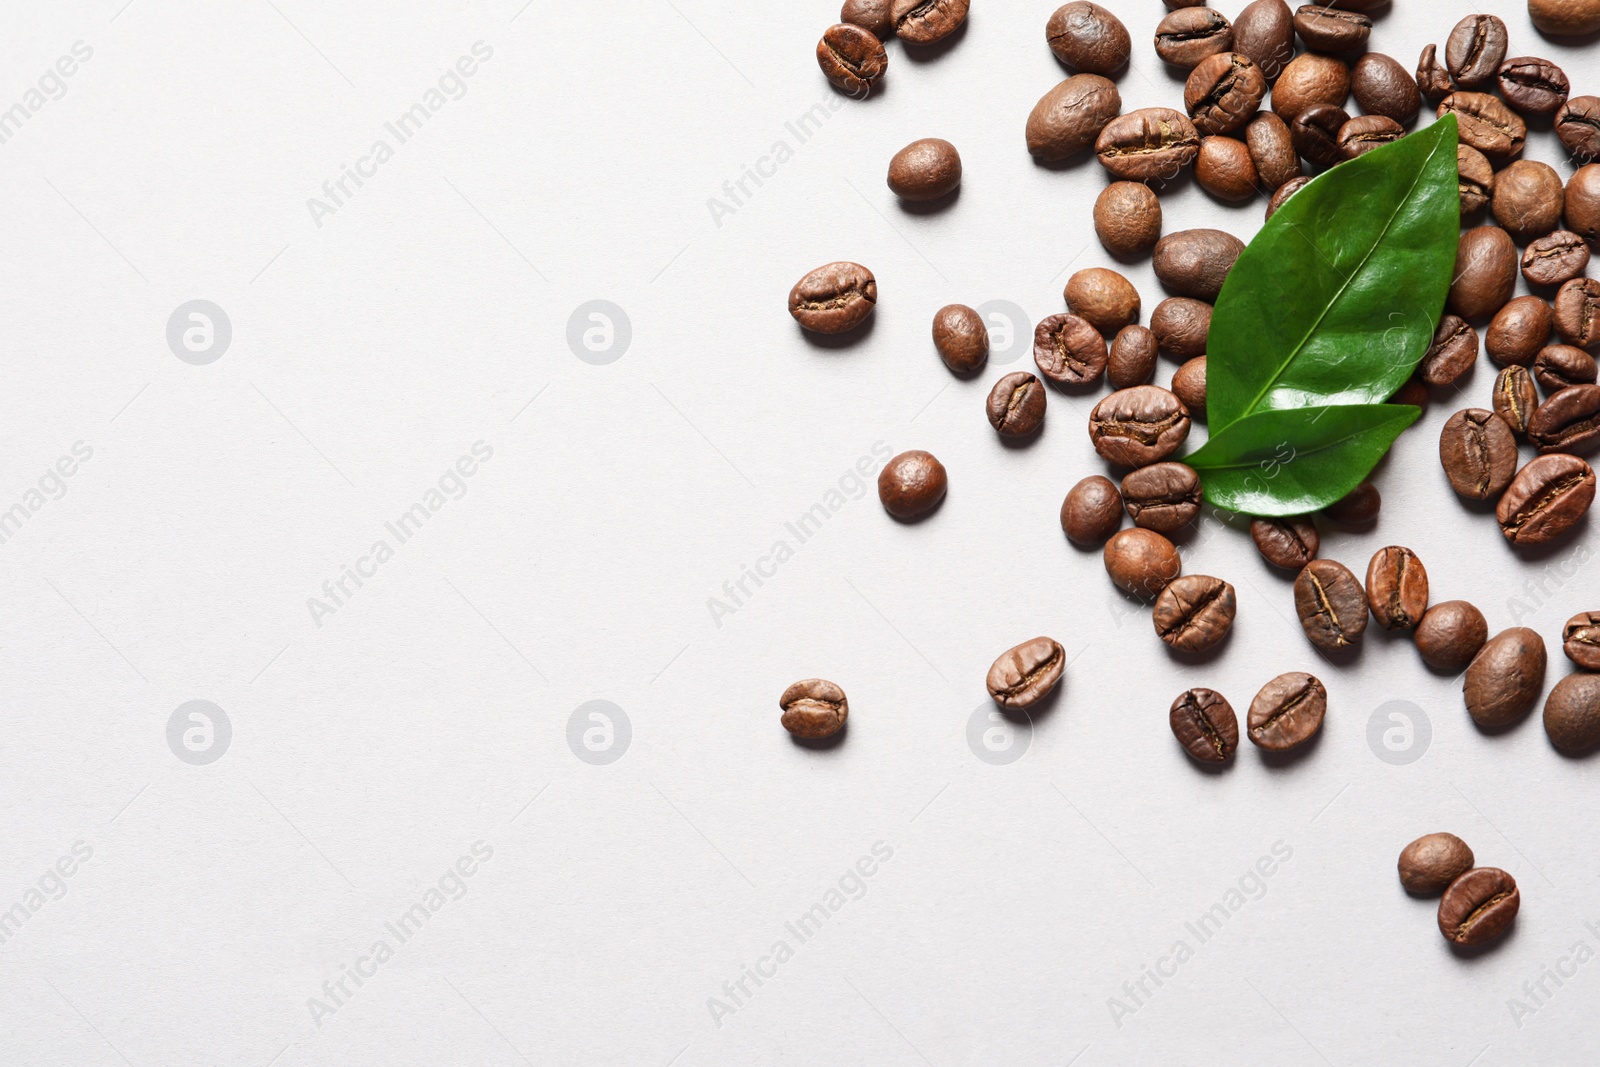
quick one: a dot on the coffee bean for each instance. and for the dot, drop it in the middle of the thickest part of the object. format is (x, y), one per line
(1332, 29)
(1580, 640)
(1141, 562)
(1382, 87)
(1105, 298)
(1505, 678)
(1429, 864)
(1264, 31)
(1534, 86)
(1397, 588)
(1287, 712)
(928, 21)
(1189, 35)
(1560, 367)
(1452, 354)
(1189, 386)
(1195, 263)
(1528, 199)
(1479, 454)
(925, 170)
(1310, 79)
(1486, 273)
(1475, 50)
(1223, 92)
(1578, 126)
(1164, 497)
(1315, 132)
(1555, 259)
(1285, 191)
(1577, 312)
(1450, 635)
(1518, 331)
(1286, 543)
(961, 338)
(1068, 350)
(1152, 144)
(1127, 218)
(1487, 124)
(1016, 405)
(912, 484)
(1572, 714)
(1132, 360)
(876, 16)
(1365, 132)
(1194, 613)
(1565, 18)
(1068, 118)
(1139, 426)
(1182, 326)
(1359, 507)
(814, 708)
(1026, 674)
(1545, 499)
(1272, 149)
(1474, 179)
(1092, 510)
(834, 298)
(1205, 725)
(1568, 422)
(1515, 398)
(1414, 392)
(1478, 907)
(852, 59)
(1583, 202)
(1432, 78)
(1225, 170)
(1088, 38)
(1331, 604)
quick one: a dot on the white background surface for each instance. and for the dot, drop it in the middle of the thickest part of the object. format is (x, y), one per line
(370, 752)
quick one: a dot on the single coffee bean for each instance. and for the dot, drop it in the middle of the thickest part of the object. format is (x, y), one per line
(1580, 640)
(1450, 635)
(1486, 273)
(1413, 392)
(1534, 86)
(1515, 398)
(1577, 312)
(1452, 354)
(1568, 422)
(1127, 218)
(1578, 126)
(1195, 263)
(1565, 18)
(1164, 497)
(1189, 385)
(1205, 725)
(928, 21)
(1474, 179)
(1225, 170)
(1560, 367)
(1487, 124)
(1016, 405)
(1315, 132)
(1332, 29)
(1331, 604)
(1223, 92)
(1555, 259)
(1285, 191)
(1182, 326)
(1286, 543)
(1092, 510)
(1358, 507)
(1475, 50)
(1088, 38)
(852, 59)
(1310, 79)
(1528, 199)
(1429, 864)
(1382, 87)
(925, 170)
(1189, 35)
(1432, 78)
(1505, 678)
(1582, 205)
(1545, 499)
(1068, 350)
(814, 708)
(1572, 714)
(1152, 144)
(1365, 132)
(1287, 712)
(1194, 613)
(1068, 118)
(1264, 31)
(1478, 907)
(1026, 674)
(834, 298)
(1518, 331)
(1141, 562)
(876, 16)
(1272, 149)
(1479, 454)
(1105, 298)
(961, 338)
(1397, 588)
(1139, 426)
(912, 484)
(1132, 360)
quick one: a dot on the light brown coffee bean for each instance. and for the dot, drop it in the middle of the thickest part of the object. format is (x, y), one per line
(1139, 426)
(834, 298)
(1397, 588)
(1287, 712)
(1068, 118)
(1152, 144)
(852, 59)
(1518, 331)
(1164, 497)
(1088, 38)
(1132, 359)
(961, 338)
(1450, 635)
(1479, 454)
(1205, 725)
(1141, 562)
(1016, 405)
(1474, 179)
(1092, 510)
(912, 484)
(1486, 273)
(1286, 543)
(1225, 170)
(1555, 259)
(1565, 18)
(1272, 148)
(1429, 864)
(1515, 398)
(1069, 351)
(1505, 678)
(1194, 613)
(1452, 354)
(1382, 87)
(924, 170)
(1195, 263)
(1528, 199)
(1478, 907)
(1331, 604)
(1127, 218)
(1308, 80)
(1182, 327)
(1106, 299)
(814, 708)
(1572, 714)
(1580, 640)
(1023, 676)
(1189, 385)
(928, 21)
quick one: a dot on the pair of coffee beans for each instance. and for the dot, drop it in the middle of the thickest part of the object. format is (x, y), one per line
(1477, 904)
(1285, 714)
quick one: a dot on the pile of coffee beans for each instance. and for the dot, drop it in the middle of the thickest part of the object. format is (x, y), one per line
(1477, 904)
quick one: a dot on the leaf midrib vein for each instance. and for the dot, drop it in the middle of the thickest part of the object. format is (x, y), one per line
(1333, 443)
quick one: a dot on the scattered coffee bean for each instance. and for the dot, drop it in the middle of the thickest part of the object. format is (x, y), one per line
(1315, 132)
(1452, 354)
(1580, 640)
(1560, 367)
(1565, 18)
(1450, 635)
(1332, 29)
(876, 16)
(1287, 712)
(1331, 604)
(1429, 864)
(1432, 78)
(1474, 179)
(1189, 385)
(1026, 674)
(1285, 191)
(1310, 79)
(1583, 202)
(1016, 405)
(1264, 31)
(925, 170)
(1534, 86)
(1578, 126)
(1515, 398)
(1382, 87)
(1139, 426)
(1577, 312)
(1103, 297)
(1223, 92)
(1141, 562)
(1205, 725)
(1152, 144)
(1545, 499)
(1191, 34)
(1479, 454)
(1092, 510)
(1132, 359)
(1164, 497)
(1286, 543)
(1528, 199)
(1127, 218)
(1359, 507)
(912, 484)
(1069, 118)
(814, 708)
(1555, 259)
(1272, 148)
(834, 298)
(1487, 124)
(928, 21)
(1088, 38)
(1478, 907)
(961, 338)
(1397, 588)
(1182, 327)
(1413, 392)
(1518, 331)
(1195, 263)
(1194, 613)
(1068, 350)
(1505, 678)
(852, 59)
(1365, 132)
(1568, 422)
(1225, 170)
(1486, 273)
(1475, 50)
(1572, 714)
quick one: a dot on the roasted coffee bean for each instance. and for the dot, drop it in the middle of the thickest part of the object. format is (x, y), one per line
(1127, 218)
(1505, 678)
(1486, 273)
(1224, 169)
(1414, 392)
(1429, 864)
(912, 484)
(1016, 405)
(1092, 510)
(1331, 604)
(1285, 191)
(1069, 351)
(1382, 87)
(1545, 499)
(1068, 118)
(1560, 367)
(1568, 422)
(1534, 86)
(1132, 359)
(1310, 79)
(1474, 179)
(1139, 426)
(1088, 38)
(1182, 327)
(1518, 331)
(1583, 202)
(1572, 714)
(1189, 386)
(1487, 124)
(1191, 34)
(1195, 263)
(1478, 453)
(1565, 18)
(874, 15)
(834, 298)
(1315, 132)
(1555, 259)
(1450, 635)
(1358, 507)
(1475, 50)
(1264, 31)
(1397, 588)
(1194, 613)
(1365, 132)
(1105, 298)
(1452, 354)
(1332, 29)
(1223, 92)
(1272, 148)
(1026, 674)
(1432, 78)
(851, 58)
(1580, 640)
(1478, 907)
(1286, 543)
(1528, 199)
(1205, 725)
(1152, 144)
(925, 170)
(1287, 712)
(927, 21)
(1577, 312)
(1141, 562)
(1164, 497)
(814, 708)
(1578, 126)
(961, 338)
(1515, 398)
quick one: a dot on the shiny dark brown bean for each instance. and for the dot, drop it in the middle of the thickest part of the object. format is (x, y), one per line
(1088, 38)
(1287, 712)
(1433, 80)
(1487, 124)
(1205, 725)
(1106, 299)
(1478, 907)
(834, 298)
(1092, 510)
(1272, 149)
(912, 484)
(1518, 331)
(1560, 367)
(961, 338)
(1528, 199)
(1504, 680)
(1141, 562)
(1555, 259)
(1382, 87)
(1450, 635)
(1152, 144)
(1189, 35)
(1331, 604)
(814, 708)
(1365, 132)
(1189, 386)
(1474, 179)
(1577, 312)
(1452, 354)
(1515, 398)
(1331, 29)
(1546, 499)
(1429, 864)
(1264, 31)
(1139, 426)
(1286, 543)
(1568, 422)
(1132, 358)
(928, 21)
(1580, 640)
(874, 15)
(1359, 507)
(1164, 497)
(928, 169)
(1016, 405)
(852, 59)
(1486, 273)
(1572, 714)
(1068, 118)
(1397, 588)
(1068, 350)
(1194, 613)
(1195, 263)
(1182, 327)
(1533, 86)
(1578, 126)
(1479, 454)
(1475, 50)
(1223, 92)
(1315, 132)
(1026, 674)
